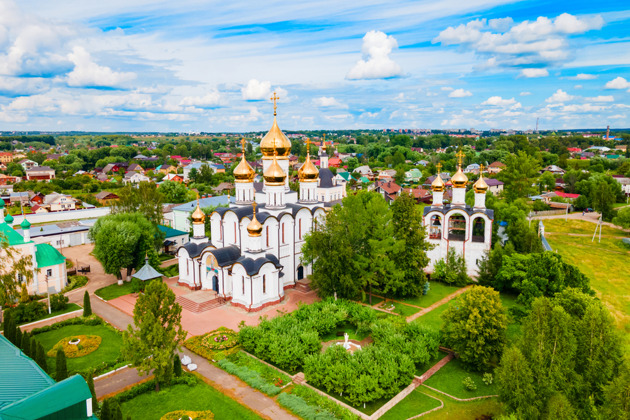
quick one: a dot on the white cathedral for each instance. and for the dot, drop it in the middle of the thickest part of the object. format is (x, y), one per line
(255, 250)
(466, 229)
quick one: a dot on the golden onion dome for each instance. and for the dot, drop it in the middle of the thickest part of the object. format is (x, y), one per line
(438, 184)
(480, 186)
(274, 175)
(308, 172)
(275, 140)
(244, 172)
(254, 227)
(459, 180)
(198, 216)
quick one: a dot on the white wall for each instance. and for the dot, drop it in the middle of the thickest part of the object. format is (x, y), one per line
(63, 215)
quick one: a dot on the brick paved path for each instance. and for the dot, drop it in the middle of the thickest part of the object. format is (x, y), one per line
(438, 303)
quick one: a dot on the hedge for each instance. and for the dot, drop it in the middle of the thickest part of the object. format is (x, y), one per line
(299, 407)
(314, 398)
(250, 377)
(149, 386)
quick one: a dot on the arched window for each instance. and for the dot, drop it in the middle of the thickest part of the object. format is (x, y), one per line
(479, 230)
(264, 284)
(457, 228)
(267, 236)
(300, 228)
(283, 241)
(234, 232)
(243, 278)
(435, 227)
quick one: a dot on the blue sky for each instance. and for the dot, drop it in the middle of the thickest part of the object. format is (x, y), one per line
(193, 65)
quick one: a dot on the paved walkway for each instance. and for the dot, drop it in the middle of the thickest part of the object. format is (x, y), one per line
(438, 303)
(116, 382)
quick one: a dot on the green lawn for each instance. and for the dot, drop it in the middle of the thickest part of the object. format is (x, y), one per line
(449, 379)
(199, 397)
(346, 328)
(437, 292)
(604, 264)
(469, 410)
(375, 300)
(114, 290)
(415, 403)
(578, 226)
(108, 351)
(433, 318)
(514, 328)
(405, 310)
(370, 408)
(617, 205)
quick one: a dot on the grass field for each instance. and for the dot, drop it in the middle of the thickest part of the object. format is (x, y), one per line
(449, 379)
(579, 227)
(469, 410)
(415, 403)
(199, 397)
(114, 290)
(108, 351)
(437, 292)
(606, 265)
(433, 318)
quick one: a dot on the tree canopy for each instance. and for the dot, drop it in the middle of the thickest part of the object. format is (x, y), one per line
(144, 198)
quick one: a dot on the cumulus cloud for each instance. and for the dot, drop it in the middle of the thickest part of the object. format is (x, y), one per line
(87, 73)
(559, 96)
(256, 91)
(499, 101)
(211, 100)
(618, 83)
(328, 102)
(583, 76)
(503, 43)
(376, 62)
(530, 73)
(602, 98)
(459, 93)
(525, 93)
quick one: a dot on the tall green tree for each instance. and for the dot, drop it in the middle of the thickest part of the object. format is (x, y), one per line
(623, 218)
(515, 383)
(87, 305)
(519, 175)
(122, 241)
(475, 327)
(411, 256)
(158, 330)
(175, 192)
(90, 382)
(547, 182)
(61, 367)
(145, 198)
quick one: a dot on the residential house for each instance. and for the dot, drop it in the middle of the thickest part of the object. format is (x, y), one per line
(364, 171)
(38, 198)
(494, 185)
(173, 238)
(22, 198)
(62, 235)
(444, 175)
(173, 177)
(59, 202)
(223, 187)
(6, 157)
(335, 162)
(106, 197)
(166, 169)
(496, 167)
(28, 164)
(40, 173)
(102, 177)
(219, 168)
(473, 168)
(554, 169)
(38, 209)
(116, 168)
(625, 183)
(420, 194)
(387, 175)
(413, 176)
(390, 190)
(134, 167)
(8, 179)
(135, 178)
(188, 168)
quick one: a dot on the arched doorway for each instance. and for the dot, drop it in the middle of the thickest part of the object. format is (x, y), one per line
(300, 273)
(457, 228)
(435, 227)
(215, 284)
(479, 230)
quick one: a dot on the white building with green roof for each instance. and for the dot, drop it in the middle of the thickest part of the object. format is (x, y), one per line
(49, 265)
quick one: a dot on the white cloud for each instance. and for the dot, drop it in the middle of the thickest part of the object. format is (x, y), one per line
(328, 102)
(400, 97)
(583, 76)
(530, 73)
(618, 83)
(211, 100)
(525, 93)
(459, 93)
(376, 62)
(446, 88)
(578, 87)
(87, 73)
(601, 98)
(256, 91)
(583, 108)
(499, 101)
(559, 96)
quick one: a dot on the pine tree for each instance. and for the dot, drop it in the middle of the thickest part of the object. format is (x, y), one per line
(117, 413)
(17, 337)
(9, 327)
(177, 366)
(105, 412)
(90, 382)
(40, 357)
(61, 368)
(33, 349)
(87, 305)
(26, 343)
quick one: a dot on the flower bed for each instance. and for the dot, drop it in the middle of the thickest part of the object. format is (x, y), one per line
(85, 344)
(183, 414)
(206, 346)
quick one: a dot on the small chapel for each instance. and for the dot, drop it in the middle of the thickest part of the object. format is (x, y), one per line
(255, 249)
(458, 226)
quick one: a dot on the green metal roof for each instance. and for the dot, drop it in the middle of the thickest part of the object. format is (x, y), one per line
(46, 256)
(9, 234)
(170, 232)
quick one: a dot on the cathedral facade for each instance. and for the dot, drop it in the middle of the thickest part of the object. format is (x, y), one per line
(458, 226)
(255, 250)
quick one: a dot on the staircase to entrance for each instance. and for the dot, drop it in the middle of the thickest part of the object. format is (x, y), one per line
(200, 301)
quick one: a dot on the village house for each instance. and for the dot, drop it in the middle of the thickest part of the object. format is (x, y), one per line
(387, 175)
(6, 157)
(554, 169)
(174, 178)
(494, 185)
(389, 190)
(419, 194)
(28, 164)
(59, 202)
(40, 173)
(413, 176)
(496, 167)
(135, 178)
(106, 197)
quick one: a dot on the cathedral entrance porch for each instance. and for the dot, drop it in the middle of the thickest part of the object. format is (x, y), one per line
(200, 301)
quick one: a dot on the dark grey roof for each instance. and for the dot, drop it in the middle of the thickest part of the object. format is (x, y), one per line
(252, 266)
(226, 256)
(469, 210)
(326, 178)
(194, 250)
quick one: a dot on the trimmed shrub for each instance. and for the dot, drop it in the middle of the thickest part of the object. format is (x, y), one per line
(177, 366)
(315, 399)
(61, 367)
(301, 408)
(469, 384)
(87, 305)
(184, 414)
(250, 377)
(28, 312)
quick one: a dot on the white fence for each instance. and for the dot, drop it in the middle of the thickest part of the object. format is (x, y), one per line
(60, 216)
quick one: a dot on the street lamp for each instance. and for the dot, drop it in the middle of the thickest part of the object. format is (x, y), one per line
(48, 294)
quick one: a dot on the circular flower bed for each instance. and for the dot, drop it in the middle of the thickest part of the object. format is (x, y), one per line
(221, 339)
(185, 415)
(86, 344)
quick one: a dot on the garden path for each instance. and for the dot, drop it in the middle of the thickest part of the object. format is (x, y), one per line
(117, 382)
(438, 303)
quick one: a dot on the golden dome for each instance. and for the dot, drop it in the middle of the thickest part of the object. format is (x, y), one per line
(308, 172)
(480, 186)
(254, 227)
(459, 180)
(274, 175)
(198, 216)
(438, 184)
(243, 172)
(275, 140)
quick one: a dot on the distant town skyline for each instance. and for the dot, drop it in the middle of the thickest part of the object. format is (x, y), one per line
(190, 66)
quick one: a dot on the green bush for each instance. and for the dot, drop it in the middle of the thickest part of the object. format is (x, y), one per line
(58, 302)
(250, 377)
(487, 378)
(28, 312)
(298, 406)
(74, 282)
(315, 399)
(469, 384)
(137, 285)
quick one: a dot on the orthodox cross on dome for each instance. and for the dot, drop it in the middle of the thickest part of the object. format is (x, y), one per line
(254, 208)
(481, 167)
(275, 98)
(460, 156)
(308, 145)
(439, 167)
(243, 143)
(324, 141)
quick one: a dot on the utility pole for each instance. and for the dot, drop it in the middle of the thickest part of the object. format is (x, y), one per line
(48, 294)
